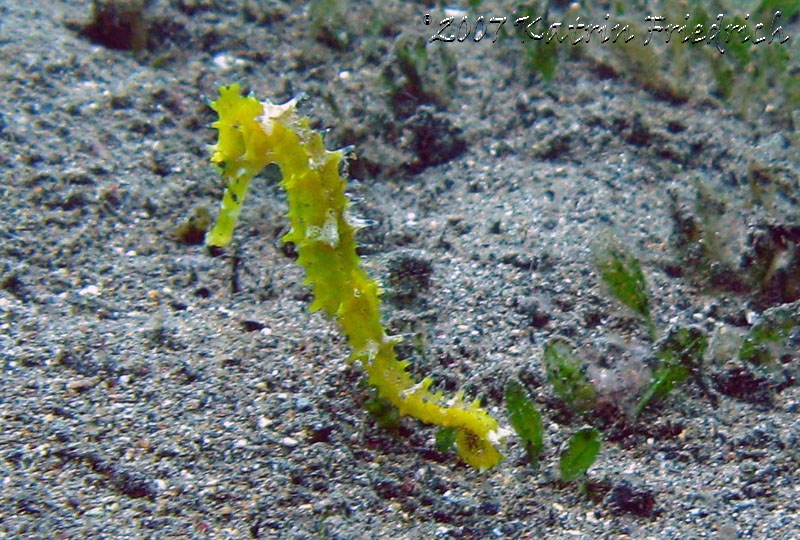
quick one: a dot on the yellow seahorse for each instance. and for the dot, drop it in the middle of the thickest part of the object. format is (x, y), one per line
(254, 134)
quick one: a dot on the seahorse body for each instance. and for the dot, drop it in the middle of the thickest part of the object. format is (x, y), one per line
(254, 134)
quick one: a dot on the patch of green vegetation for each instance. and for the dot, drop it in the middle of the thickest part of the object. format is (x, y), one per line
(541, 54)
(543, 59)
(747, 75)
(580, 450)
(386, 415)
(565, 373)
(446, 439)
(681, 354)
(623, 275)
(580, 453)
(673, 64)
(766, 336)
(525, 420)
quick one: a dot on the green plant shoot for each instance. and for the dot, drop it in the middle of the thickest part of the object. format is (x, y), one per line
(681, 354)
(580, 454)
(624, 277)
(525, 419)
(565, 372)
